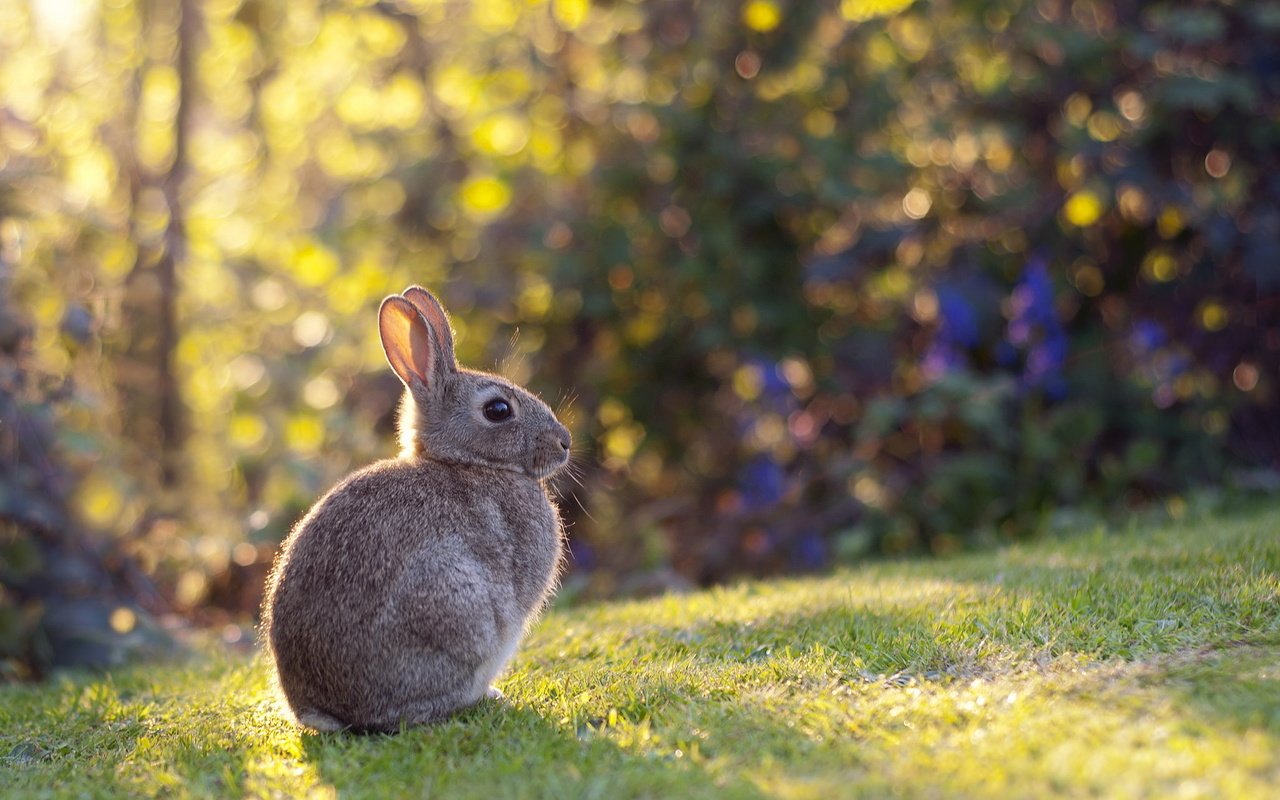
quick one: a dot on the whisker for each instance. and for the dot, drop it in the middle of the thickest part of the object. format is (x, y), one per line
(582, 506)
(566, 401)
(511, 359)
(576, 471)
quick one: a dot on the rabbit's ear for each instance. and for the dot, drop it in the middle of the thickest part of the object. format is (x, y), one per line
(407, 341)
(437, 319)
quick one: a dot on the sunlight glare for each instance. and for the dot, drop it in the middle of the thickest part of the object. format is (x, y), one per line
(60, 20)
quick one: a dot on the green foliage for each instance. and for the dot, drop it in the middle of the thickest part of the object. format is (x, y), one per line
(32, 489)
(994, 461)
(1135, 664)
(63, 595)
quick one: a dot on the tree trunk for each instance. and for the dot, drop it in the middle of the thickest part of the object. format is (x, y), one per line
(147, 376)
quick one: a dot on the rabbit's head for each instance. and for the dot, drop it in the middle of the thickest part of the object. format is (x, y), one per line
(459, 415)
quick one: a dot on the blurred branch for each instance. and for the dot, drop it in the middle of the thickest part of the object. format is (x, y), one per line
(153, 285)
(175, 251)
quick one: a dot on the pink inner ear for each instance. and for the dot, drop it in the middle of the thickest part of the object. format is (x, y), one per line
(422, 353)
(407, 341)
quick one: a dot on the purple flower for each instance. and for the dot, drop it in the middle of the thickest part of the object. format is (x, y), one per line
(1033, 296)
(773, 385)
(1146, 336)
(959, 320)
(1035, 331)
(809, 550)
(1019, 331)
(941, 359)
(957, 331)
(1006, 354)
(761, 483)
(581, 554)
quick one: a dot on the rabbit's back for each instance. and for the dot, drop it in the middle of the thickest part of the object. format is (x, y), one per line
(409, 581)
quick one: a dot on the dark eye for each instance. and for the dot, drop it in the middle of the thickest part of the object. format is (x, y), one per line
(497, 409)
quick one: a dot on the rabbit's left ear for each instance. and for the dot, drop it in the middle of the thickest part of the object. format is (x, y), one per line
(409, 343)
(438, 320)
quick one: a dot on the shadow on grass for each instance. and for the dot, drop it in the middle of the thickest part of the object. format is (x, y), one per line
(496, 750)
(1237, 687)
(90, 740)
(960, 618)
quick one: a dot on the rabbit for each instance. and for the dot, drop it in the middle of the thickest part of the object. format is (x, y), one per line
(403, 593)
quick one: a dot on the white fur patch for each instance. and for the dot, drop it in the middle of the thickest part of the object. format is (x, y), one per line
(320, 721)
(492, 667)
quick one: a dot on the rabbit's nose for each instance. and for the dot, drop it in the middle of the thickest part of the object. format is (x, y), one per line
(565, 440)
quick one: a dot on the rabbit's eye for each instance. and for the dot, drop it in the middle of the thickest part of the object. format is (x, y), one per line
(497, 409)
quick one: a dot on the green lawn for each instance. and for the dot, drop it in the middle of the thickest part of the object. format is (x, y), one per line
(1144, 663)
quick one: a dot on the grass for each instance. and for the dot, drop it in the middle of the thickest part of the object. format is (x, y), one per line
(1139, 664)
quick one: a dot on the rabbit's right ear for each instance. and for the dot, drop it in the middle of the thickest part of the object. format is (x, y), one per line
(407, 341)
(437, 320)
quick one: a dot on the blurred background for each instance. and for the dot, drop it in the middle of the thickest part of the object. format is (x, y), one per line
(811, 280)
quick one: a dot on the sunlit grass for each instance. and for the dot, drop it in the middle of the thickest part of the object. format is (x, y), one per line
(1141, 664)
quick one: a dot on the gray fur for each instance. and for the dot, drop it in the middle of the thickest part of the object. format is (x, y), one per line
(405, 590)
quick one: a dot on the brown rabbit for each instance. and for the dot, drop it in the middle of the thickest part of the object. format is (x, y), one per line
(405, 590)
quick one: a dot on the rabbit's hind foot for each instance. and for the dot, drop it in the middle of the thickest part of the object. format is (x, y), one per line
(320, 721)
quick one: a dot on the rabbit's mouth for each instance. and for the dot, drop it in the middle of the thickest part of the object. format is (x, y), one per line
(546, 464)
(551, 456)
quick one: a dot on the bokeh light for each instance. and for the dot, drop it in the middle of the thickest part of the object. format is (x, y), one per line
(809, 281)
